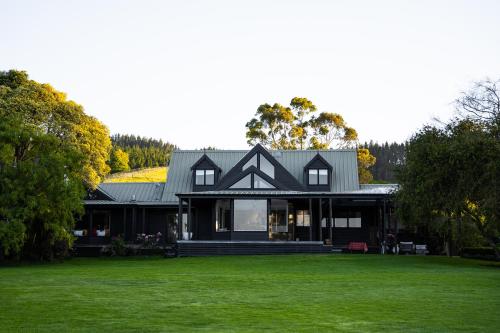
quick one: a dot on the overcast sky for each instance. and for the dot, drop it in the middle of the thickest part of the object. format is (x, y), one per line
(194, 72)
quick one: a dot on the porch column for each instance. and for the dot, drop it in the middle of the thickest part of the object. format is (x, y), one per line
(179, 220)
(310, 220)
(320, 218)
(91, 216)
(383, 221)
(330, 220)
(124, 223)
(189, 226)
(134, 222)
(143, 220)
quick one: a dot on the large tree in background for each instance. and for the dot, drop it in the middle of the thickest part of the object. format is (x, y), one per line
(452, 172)
(41, 191)
(41, 106)
(298, 127)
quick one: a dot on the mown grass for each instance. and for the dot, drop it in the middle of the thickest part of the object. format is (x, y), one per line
(143, 175)
(294, 293)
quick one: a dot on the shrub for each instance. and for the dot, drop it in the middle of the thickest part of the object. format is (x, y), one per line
(118, 247)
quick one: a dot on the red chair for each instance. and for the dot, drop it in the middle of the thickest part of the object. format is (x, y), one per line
(357, 246)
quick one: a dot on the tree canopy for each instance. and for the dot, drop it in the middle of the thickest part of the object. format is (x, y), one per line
(41, 106)
(41, 191)
(452, 173)
(298, 127)
(50, 151)
(118, 160)
(143, 152)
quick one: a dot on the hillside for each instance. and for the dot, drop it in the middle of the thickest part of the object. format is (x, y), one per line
(158, 174)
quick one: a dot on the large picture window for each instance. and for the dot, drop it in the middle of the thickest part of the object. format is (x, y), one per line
(250, 215)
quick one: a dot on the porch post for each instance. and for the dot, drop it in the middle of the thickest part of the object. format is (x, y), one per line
(320, 218)
(179, 220)
(91, 216)
(143, 220)
(310, 220)
(189, 222)
(330, 220)
(383, 221)
(124, 223)
(134, 222)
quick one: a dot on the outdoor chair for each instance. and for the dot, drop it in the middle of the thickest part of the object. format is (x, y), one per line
(421, 249)
(406, 248)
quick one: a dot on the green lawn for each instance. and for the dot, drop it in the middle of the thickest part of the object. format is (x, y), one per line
(344, 293)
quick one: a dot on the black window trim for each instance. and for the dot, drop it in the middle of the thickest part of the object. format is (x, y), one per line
(204, 177)
(317, 177)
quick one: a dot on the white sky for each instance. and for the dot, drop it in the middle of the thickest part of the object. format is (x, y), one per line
(194, 72)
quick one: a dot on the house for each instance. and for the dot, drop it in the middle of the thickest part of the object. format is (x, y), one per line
(246, 201)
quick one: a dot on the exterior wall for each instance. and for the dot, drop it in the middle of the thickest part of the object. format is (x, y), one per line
(203, 223)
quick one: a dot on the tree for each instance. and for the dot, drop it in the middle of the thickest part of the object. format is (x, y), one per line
(365, 161)
(40, 105)
(118, 160)
(41, 190)
(481, 104)
(450, 175)
(296, 127)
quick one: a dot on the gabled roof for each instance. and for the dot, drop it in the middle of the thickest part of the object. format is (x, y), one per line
(205, 160)
(343, 162)
(282, 180)
(320, 159)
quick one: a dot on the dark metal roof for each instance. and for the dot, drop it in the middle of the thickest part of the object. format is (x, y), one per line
(343, 162)
(371, 192)
(133, 192)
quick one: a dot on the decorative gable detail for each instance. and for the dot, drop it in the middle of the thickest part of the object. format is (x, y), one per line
(262, 165)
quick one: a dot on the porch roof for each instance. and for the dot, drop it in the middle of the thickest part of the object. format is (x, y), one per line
(377, 190)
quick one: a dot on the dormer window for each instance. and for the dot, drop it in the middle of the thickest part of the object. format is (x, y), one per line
(318, 177)
(205, 177)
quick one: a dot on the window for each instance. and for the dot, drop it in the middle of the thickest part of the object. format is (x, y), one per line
(245, 182)
(205, 177)
(266, 166)
(340, 222)
(222, 215)
(355, 220)
(318, 177)
(250, 215)
(200, 177)
(252, 161)
(303, 218)
(348, 220)
(209, 177)
(258, 182)
(260, 162)
(313, 177)
(323, 177)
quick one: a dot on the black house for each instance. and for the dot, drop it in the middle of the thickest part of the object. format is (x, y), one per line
(235, 201)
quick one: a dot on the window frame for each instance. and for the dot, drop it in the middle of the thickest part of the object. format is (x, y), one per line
(204, 177)
(317, 170)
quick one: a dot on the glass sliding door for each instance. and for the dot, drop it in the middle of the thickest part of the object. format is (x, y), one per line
(278, 220)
